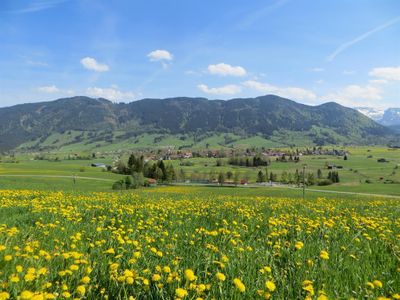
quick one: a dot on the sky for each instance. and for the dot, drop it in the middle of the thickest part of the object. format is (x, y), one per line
(308, 51)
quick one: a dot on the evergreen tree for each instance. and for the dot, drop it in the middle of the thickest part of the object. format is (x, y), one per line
(310, 179)
(236, 178)
(260, 176)
(221, 178)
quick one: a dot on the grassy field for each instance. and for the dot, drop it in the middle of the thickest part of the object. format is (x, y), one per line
(50, 175)
(197, 243)
(361, 173)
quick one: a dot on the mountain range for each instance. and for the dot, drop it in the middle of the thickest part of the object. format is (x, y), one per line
(97, 122)
(389, 117)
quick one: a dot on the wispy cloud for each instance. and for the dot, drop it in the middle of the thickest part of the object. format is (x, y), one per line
(258, 15)
(362, 37)
(38, 5)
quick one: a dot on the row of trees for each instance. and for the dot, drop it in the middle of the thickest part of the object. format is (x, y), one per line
(255, 161)
(297, 177)
(139, 170)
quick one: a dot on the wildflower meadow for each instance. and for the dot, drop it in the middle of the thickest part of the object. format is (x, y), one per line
(187, 243)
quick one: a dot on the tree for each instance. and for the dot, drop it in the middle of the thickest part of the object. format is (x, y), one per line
(128, 182)
(158, 174)
(334, 176)
(319, 174)
(182, 174)
(284, 177)
(170, 173)
(137, 180)
(236, 178)
(229, 175)
(212, 176)
(221, 178)
(131, 162)
(310, 179)
(260, 177)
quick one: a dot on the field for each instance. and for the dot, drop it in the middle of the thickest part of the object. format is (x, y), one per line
(197, 243)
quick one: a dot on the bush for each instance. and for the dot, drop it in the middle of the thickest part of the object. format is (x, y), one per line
(325, 182)
(118, 185)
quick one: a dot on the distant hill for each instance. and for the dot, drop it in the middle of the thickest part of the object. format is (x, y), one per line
(99, 121)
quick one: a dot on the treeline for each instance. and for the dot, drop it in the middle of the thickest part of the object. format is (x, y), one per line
(140, 171)
(298, 178)
(255, 161)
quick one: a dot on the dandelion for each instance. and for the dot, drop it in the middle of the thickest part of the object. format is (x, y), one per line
(156, 277)
(298, 245)
(189, 275)
(270, 285)
(377, 284)
(324, 255)
(129, 280)
(370, 285)
(181, 293)
(25, 295)
(81, 290)
(85, 280)
(220, 276)
(7, 257)
(4, 296)
(239, 285)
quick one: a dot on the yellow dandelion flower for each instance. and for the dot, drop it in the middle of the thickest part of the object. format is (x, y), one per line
(181, 293)
(239, 285)
(324, 255)
(189, 275)
(298, 245)
(81, 290)
(4, 296)
(270, 285)
(156, 277)
(85, 279)
(220, 276)
(25, 295)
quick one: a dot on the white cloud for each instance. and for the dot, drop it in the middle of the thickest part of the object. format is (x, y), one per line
(356, 95)
(50, 89)
(388, 73)
(230, 89)
(111, 93)
(378, 81)
(226, 70)
(92, 64)
(295, 93)
(160, 55)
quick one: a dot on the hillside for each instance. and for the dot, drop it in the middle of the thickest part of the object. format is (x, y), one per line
(94, 122)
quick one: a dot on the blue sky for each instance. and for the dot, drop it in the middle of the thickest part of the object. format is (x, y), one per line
(308, 51)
